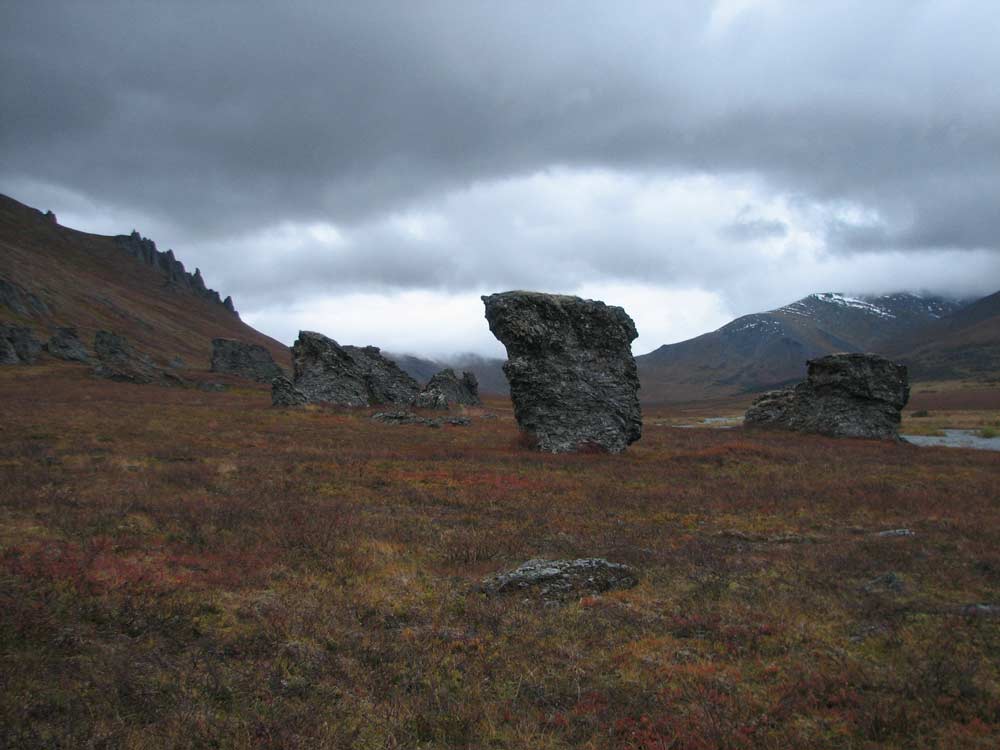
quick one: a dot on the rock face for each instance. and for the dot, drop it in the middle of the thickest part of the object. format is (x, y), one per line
(446, 388)
(844, 395)
(117, 360)
(144, 250)
(20, 301)
(246, 360)
(572, 377)
(326, 372)
(561, 579)
(18, 345)
(65, 344)
(284, 393)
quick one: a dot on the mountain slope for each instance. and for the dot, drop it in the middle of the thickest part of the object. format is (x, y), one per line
(768, 349)
(964, 344)
(55, 276)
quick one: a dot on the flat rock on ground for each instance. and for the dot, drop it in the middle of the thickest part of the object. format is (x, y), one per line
(844, 395)
(572, 377)
(560, 579)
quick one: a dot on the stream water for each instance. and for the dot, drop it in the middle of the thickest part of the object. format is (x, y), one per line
(957, 439)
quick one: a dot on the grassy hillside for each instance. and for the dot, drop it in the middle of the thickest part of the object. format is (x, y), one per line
(185, 569)
(88, 281)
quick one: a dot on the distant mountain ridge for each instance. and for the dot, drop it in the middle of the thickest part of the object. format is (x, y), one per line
(769, 349)
(488, 370)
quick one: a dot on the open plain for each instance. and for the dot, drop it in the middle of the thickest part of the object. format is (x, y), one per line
(190, 569)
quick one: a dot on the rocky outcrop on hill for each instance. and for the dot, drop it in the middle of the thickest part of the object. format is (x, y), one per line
(18, 345)
(20, 301)
(572, 377)
(326, 372)
(561, 579)
(145, 251)
(446, 389)
(844, 395)
(65, 344)
(251, 361)
(117, 360)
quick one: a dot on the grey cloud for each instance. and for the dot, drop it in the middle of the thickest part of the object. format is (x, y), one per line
(220, 119)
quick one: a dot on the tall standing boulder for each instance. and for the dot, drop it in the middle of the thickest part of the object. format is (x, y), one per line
(446, 389)
(843, 395)
(326, 372)
(252, 361)
(572, 377)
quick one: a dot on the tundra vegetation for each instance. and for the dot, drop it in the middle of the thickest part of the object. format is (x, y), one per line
(186, 569)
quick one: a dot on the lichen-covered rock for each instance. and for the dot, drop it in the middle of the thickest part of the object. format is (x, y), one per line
(843, 395)
(65, 344)
(572, 377)
(117, 360)
(446, 388)
(284, 393)
(18, 345)
(404, 417)
(560, 579)
(326, 372)
(252, 361)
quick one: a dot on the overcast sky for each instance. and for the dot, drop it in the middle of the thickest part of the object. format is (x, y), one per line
(368, 169)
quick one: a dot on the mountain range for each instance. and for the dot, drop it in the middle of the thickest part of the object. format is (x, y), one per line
(53, 276)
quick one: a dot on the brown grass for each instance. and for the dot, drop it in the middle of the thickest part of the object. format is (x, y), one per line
(185, 569)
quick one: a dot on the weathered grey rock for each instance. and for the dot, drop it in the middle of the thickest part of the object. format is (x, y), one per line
(446, 389)
(251, 361)
(284, 393)
(19, 345)
(326, 372)
(117, 360)
(560, 579)
(177, 363)
(65, 344)
(213, 387)
(843, 395)
(20, 301)
(572, 377)
(404, 417)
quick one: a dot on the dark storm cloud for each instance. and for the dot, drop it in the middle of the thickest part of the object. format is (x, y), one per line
(222, 118)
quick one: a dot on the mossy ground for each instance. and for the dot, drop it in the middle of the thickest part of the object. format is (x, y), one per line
(185, 569)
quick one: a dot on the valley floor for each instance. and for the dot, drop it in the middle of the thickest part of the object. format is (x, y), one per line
(190, 569)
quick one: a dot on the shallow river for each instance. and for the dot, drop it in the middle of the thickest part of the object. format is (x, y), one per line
(957, 439)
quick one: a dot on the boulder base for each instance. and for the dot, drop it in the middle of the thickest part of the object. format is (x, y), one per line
(844, 395)
(572, 377)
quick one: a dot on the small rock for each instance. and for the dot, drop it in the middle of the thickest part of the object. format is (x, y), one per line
(446, 388)
(980, 610)
(887, 582)
(896, 532)
(65, 344)
(213, 387)
(458, 421)
(404, 417)
(560, 579)
(177, 363)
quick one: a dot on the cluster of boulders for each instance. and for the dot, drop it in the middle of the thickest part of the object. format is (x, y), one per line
(252, 361)
(843, 395)
(325, 372)
(572, 377)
